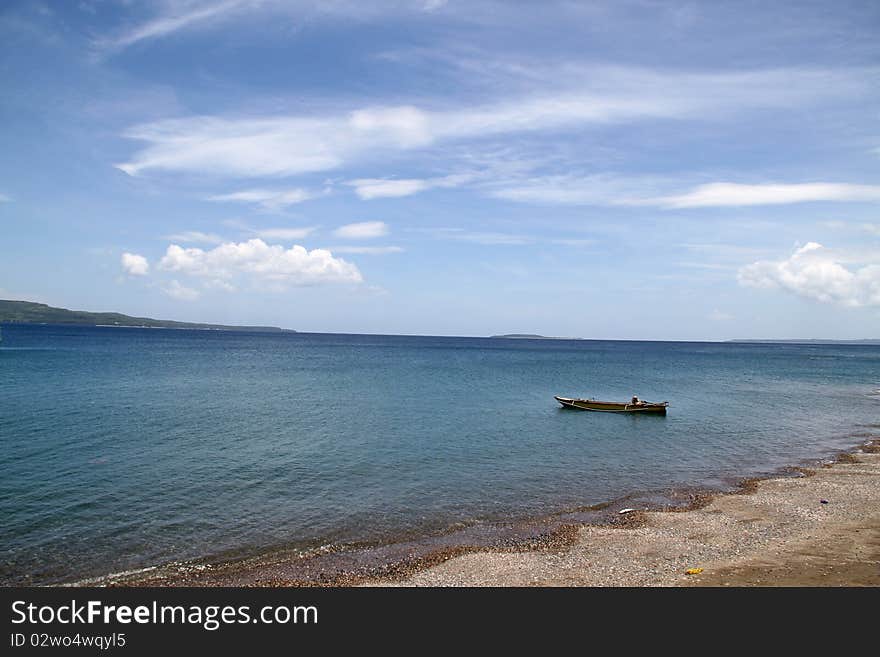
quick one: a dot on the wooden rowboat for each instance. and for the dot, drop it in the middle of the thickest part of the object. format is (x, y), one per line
(613, 407)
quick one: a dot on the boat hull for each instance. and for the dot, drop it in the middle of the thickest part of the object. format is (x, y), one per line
(613, 407)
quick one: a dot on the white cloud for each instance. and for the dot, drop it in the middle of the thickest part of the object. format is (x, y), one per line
(605, 189)
(135, 265)
(175, 17)
(275, 146)
(370, 188)
(4, 198)
(181, 15)
(732, 194)
(362, 231)
(815, 272)
(195, 236)
(267, 198)
(368, 250)
(261, 262)
(177, 291)
(284, 233)
(294, 144)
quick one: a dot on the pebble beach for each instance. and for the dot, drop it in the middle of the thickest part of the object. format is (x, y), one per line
(821, 529)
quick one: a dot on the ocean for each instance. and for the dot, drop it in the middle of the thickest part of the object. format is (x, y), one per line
(124, 448)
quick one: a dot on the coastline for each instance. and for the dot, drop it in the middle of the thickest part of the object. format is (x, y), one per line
(819, 530)
(773, 530)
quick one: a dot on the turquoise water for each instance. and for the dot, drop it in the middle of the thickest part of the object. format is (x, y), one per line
(129, 447)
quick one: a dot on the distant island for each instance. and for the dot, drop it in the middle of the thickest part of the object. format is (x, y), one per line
(810, 341)
(27, 312)
(529, 336)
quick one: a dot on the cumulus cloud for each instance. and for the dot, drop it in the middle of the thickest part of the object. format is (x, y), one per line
(180, 292)
(363, 230)
(261, 262)
(817, 273)
(270, 199)
(135, 265)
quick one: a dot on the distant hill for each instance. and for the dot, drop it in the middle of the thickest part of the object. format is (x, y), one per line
(27, 312)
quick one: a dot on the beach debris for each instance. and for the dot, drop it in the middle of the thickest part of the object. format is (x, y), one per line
(823, 501)
(693, 571)
(627, 510)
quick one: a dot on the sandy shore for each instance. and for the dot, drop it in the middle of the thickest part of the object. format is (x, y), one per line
(819, 530)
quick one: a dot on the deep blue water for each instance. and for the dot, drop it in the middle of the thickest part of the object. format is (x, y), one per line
(123, 448)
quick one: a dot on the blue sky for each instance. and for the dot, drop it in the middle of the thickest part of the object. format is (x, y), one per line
(635, 170)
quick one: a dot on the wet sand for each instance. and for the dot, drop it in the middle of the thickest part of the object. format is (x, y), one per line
(819, 530)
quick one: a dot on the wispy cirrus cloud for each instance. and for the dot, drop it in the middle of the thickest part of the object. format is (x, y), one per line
(362, 230)
(600, 189)
(287, 145)
(271, 233)
(613, 190)
(269, 199)
(284, 233)
(821, 274)
(370, 188)
(488, 238)
(725, 194)
(174, 16)
(194, 237)
(368, 250)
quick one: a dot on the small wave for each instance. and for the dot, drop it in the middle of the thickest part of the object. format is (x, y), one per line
(102, 579)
